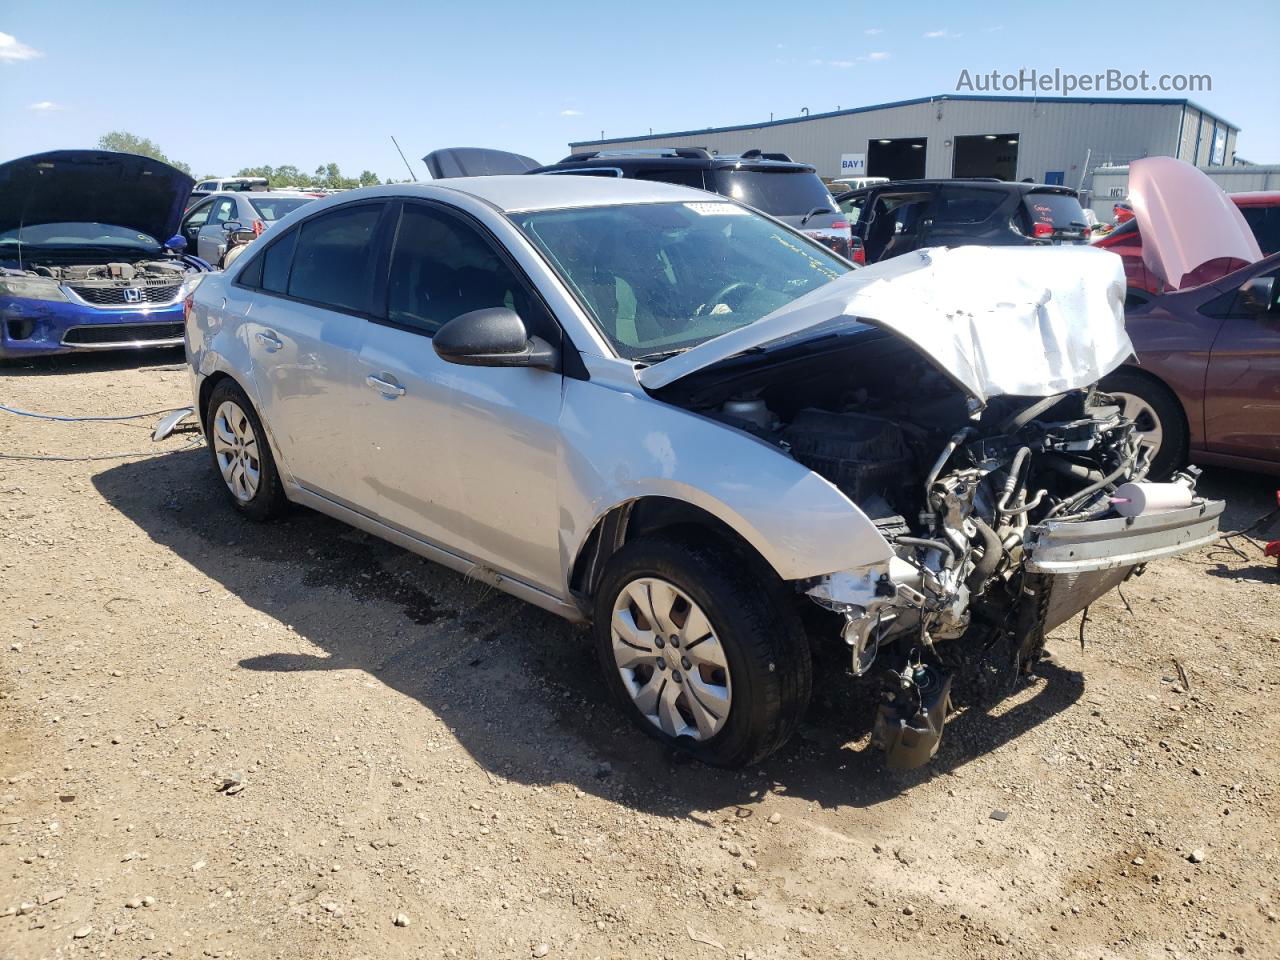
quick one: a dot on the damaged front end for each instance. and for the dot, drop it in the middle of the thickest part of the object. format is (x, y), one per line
(953, 400)
(1017, 532)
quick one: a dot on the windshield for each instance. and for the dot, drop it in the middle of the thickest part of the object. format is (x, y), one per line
(80, 235)
(781, 193)
(660, 278)
(273, 208)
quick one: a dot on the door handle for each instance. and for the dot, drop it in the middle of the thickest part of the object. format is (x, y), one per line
(387, 387)
(270, 341)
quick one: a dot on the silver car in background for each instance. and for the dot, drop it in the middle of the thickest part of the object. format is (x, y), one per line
(208, 223)
(656, 410)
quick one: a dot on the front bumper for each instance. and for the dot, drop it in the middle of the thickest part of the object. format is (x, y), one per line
(1082, 560)
(31, 328)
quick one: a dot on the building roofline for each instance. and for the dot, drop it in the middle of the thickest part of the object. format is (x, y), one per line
(1142, 101)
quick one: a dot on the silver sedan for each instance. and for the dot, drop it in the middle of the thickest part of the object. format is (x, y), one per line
(661, 412)
(208, 224)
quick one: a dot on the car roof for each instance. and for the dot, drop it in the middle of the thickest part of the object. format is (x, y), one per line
(521, 192)
(640, 161)
(1257, 198)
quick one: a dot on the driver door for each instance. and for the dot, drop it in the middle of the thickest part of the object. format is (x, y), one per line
(464, 457)
(212, 239)
(1242, 386)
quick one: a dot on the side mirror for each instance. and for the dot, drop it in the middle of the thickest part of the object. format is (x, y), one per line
(231, 226)
(492, 337)
(176, 243)
(242, 236)
(1258, 295)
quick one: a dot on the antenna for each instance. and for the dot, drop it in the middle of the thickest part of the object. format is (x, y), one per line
(406, 161)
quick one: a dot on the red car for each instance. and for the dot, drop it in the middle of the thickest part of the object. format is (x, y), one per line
(1205, 385)
(1261, 211)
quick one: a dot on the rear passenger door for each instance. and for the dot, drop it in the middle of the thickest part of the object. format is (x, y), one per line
(316, 284)
(462, 457)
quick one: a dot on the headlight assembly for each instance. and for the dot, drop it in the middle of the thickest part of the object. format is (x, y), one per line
(31, 288)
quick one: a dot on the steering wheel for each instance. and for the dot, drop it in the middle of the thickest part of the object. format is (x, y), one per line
(721, 297)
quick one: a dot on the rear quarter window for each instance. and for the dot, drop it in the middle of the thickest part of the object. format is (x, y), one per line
(967, 205)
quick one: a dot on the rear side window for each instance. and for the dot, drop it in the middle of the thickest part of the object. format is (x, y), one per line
(333, 262)
(966, 205)
(273, 208)
(782, 193)
(276, 262)
(685, 178)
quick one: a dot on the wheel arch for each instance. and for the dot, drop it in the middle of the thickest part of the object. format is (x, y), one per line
(648, 516)
(1190, 435)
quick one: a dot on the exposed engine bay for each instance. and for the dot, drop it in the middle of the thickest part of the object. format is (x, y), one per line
(109, 274)
(1002, 517)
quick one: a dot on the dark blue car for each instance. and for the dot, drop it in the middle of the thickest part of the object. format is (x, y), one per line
(89, 257)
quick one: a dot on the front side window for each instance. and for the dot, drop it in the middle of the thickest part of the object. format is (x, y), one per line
(663, 277)
(198, 217)
(222, 211)
(441, 268)
(333, 262)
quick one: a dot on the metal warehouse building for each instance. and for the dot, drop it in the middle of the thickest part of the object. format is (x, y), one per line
(1049, 139)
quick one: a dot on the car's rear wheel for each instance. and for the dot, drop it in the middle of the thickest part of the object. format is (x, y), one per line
(699, 653)
(1157, 417)
(242, 455)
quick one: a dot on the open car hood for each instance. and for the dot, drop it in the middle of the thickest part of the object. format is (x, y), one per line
(93, 186)
(476, 162)
(1191, 231)
(1022, 321)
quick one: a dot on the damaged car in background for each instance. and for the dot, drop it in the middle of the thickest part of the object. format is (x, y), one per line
(662, 413)
(82, 262)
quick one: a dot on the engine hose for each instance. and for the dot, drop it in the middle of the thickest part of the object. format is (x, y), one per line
(943, 457)
(1076, 471)
(1015, 481)
(949, 556)
(1019, 420)
(1092, 488)
(992, 551)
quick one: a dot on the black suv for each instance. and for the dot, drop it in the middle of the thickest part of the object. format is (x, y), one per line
(894, 218)
(771, 182)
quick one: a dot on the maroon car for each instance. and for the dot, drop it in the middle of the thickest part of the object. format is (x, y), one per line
(1206, 382)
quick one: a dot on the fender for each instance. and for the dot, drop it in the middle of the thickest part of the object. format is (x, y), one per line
(621, 446)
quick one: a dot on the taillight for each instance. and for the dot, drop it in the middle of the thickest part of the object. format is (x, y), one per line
(857, 253)
(258, 227)
(187, 306)
(1042, 230)
(840, 225)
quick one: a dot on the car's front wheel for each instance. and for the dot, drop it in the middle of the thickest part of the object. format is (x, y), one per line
(241, 453)
(699, 653)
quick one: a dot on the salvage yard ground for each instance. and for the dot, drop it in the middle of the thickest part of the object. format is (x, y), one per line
(227, 740)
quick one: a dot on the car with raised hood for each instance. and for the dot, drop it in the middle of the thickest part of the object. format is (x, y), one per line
(772, 183)
(659, 411)
(1203, 384)
(89, 257)
(893, 218)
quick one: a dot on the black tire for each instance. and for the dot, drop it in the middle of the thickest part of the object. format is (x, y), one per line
(1171, 455)
(758, 628)
(268, 501)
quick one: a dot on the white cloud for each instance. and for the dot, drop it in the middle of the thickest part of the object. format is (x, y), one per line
(46, 106)
(12, 49)
(936, 34)
(995, 29)
(570, 113)
(878, 55)
(840, 64)
(873, 31)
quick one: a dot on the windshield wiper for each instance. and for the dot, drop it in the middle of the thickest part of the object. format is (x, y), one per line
(660, 355)
(813, 213)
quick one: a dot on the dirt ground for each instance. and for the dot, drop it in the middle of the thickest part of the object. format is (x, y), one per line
(226, 740)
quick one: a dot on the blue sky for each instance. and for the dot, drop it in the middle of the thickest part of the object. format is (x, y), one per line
(318, 82)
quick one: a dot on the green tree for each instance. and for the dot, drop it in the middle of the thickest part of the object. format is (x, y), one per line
(121, 141)
(369, 179)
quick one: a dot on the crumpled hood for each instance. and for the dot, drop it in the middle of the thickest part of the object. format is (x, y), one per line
(1186, 222)
(1022, 321)
(93, 186)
